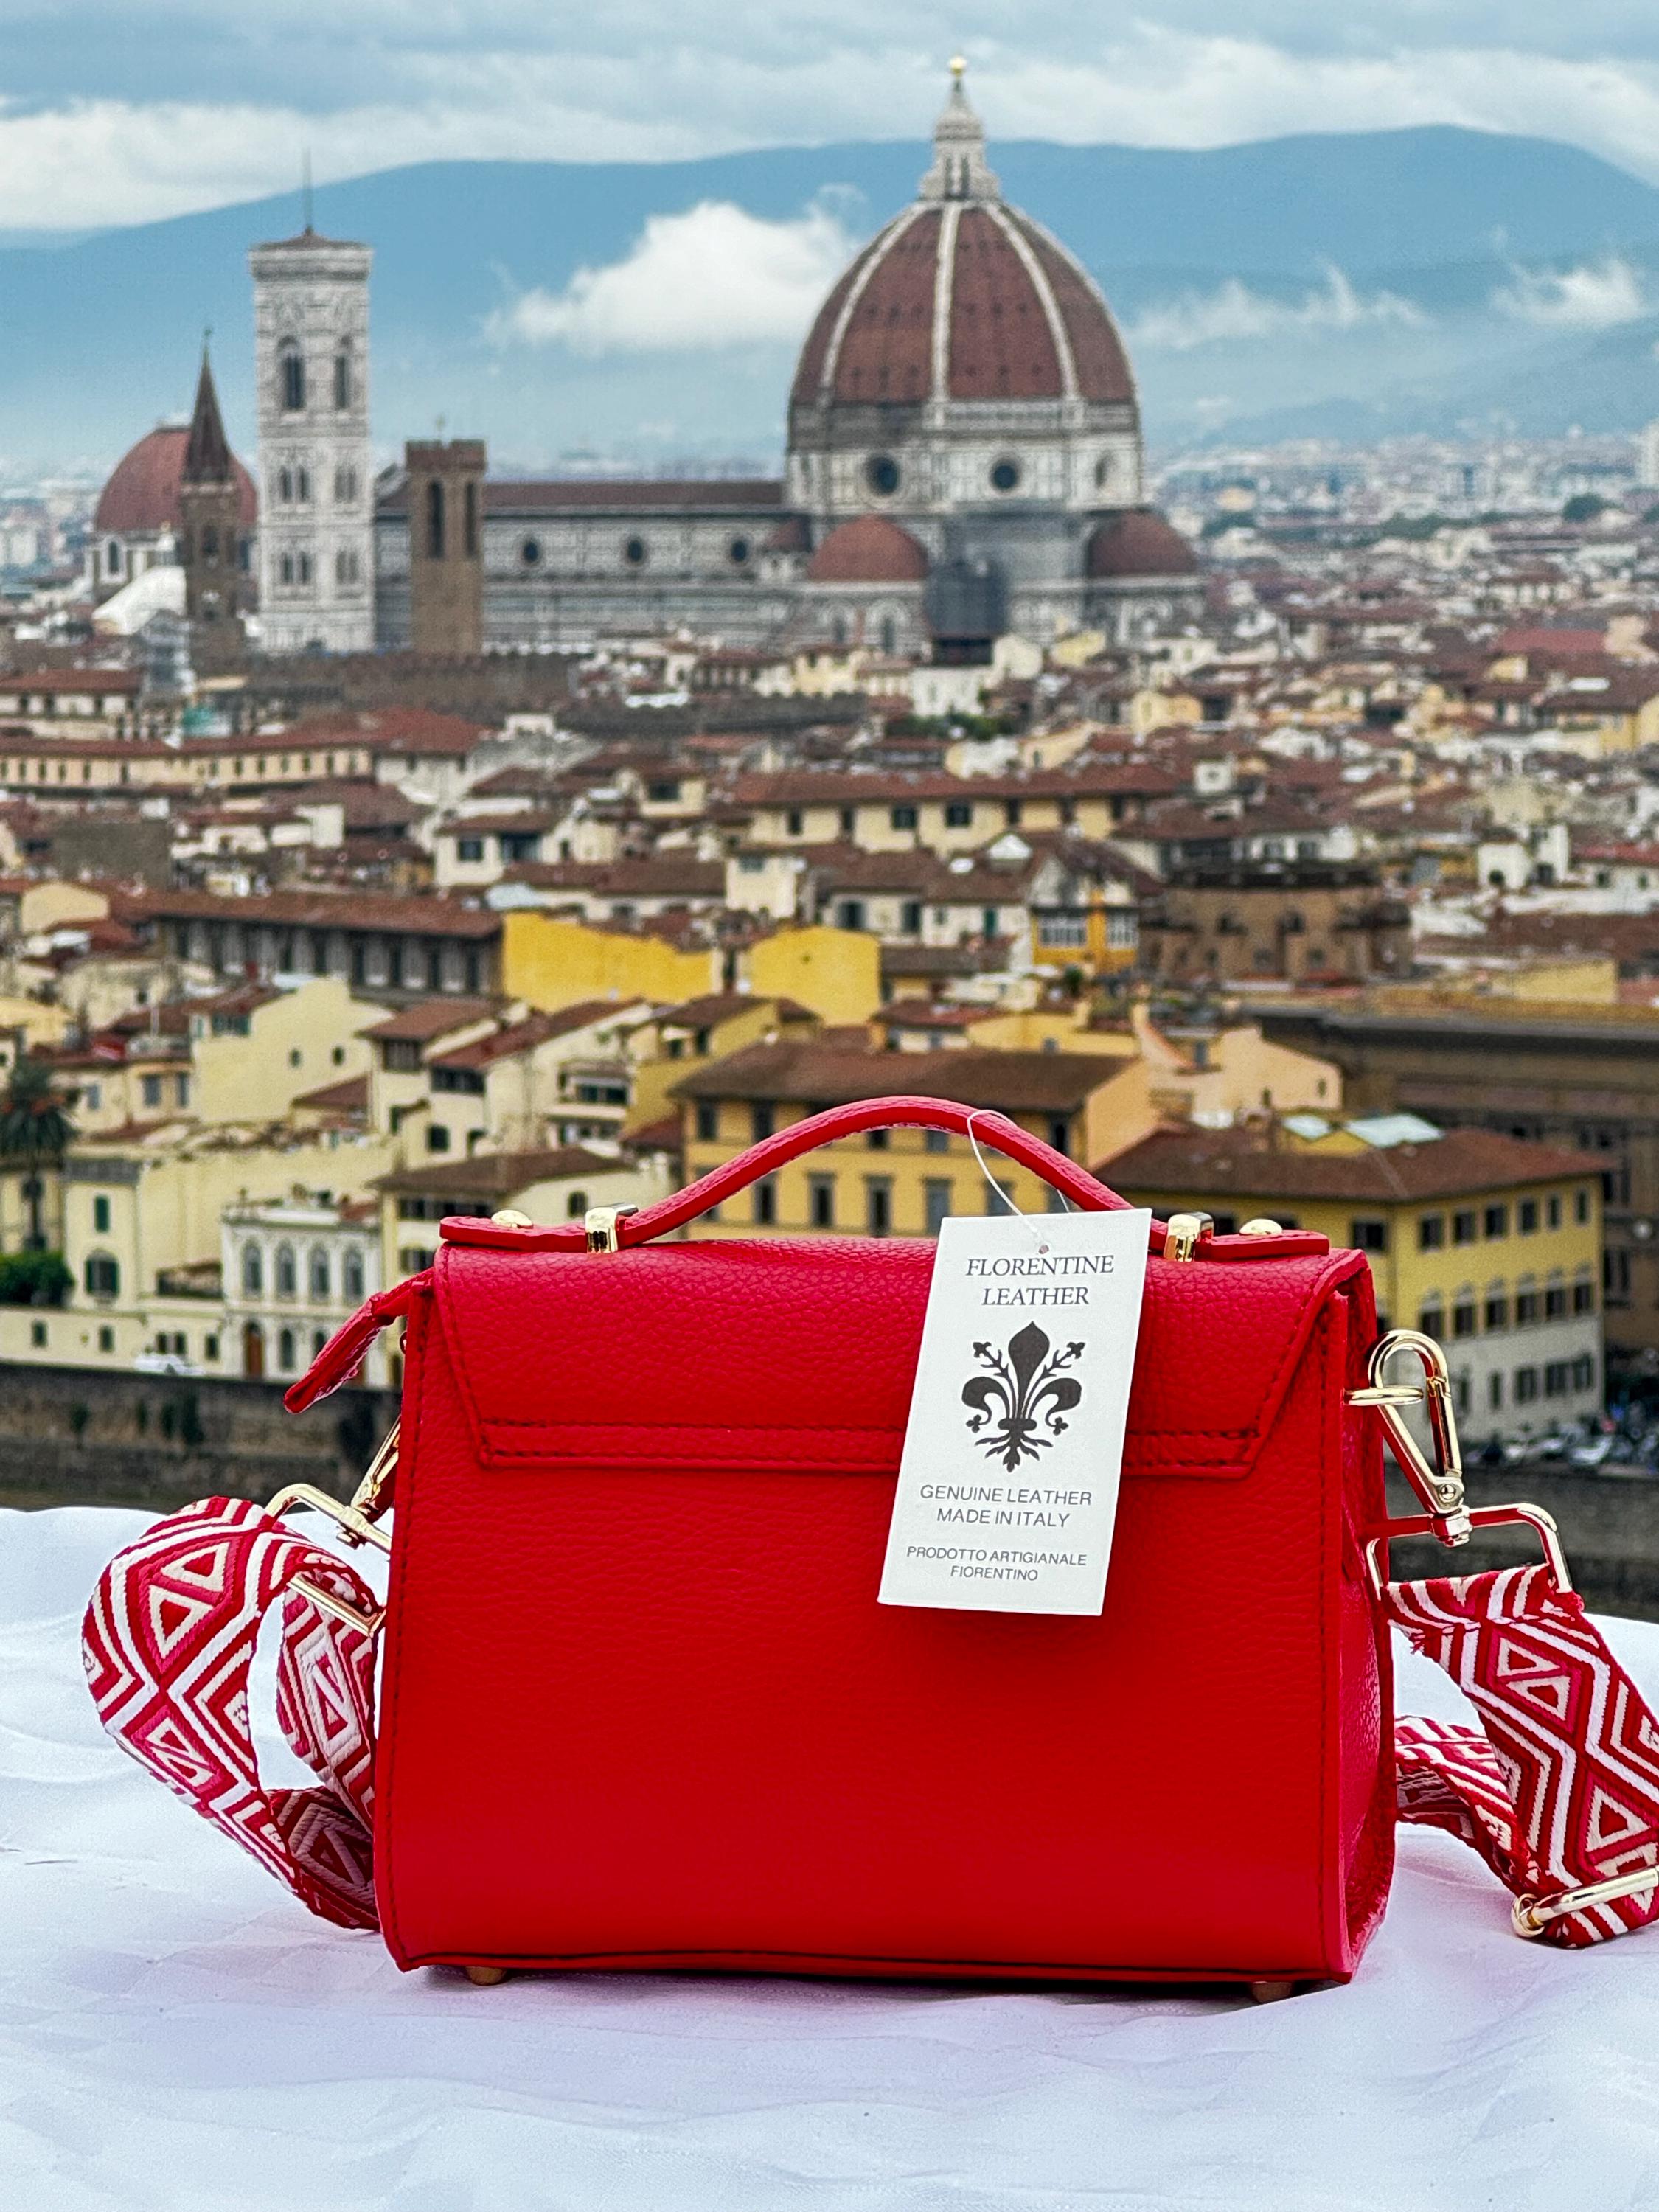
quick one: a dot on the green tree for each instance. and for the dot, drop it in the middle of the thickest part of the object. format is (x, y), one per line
(1584, 507)
(36, 1132)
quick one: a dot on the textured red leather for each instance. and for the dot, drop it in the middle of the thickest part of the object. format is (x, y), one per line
(641, 1708)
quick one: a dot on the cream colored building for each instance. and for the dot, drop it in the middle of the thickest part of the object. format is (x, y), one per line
(254, 1052)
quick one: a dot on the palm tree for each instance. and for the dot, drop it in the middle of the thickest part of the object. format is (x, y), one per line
(35, 1131)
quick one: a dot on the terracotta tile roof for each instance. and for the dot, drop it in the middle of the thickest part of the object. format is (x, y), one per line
(716, 1006)
(350, 1097)
(534, 1030)
(660, 875)
(429, 916)
(819, 1074)
(430, 1017)
(1215, 1161)
(496, 1175)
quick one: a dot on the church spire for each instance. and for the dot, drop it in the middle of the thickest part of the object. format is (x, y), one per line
(959, 170)
(207, 454)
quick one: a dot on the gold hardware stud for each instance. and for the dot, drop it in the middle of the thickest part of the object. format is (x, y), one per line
(1262, 1225)
(1183, 1233)
(600, 1223)
(510, 1218)
(485, 1978)
(1272, 1992)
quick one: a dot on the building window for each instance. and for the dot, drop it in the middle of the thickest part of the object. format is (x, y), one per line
(766, 1202)
(1005, 475)
(881, 473)
(1432, 1319)
(1526, 1385)
(254, 1271)
(106, 1337)
(100, 1215)
(287, 1274)
(434, 521)
(469, 848)
(878, 1206)
(1497, 1309)
(959, 814)
(1555, 1301)
(1583, 1296)
(530, 553)
(1583, 1372)
(1463, 1315)
(1059, 1133)
(1556, 1374)
(437, 1137)
(102, 1276)
(936, 1140)
(38, 1335)
(348, 570)
(287, 1350)
(1526, 1218)
(149, 1089)
(291, 377)
(113, 556)
(470, 521)
(321, 1275)
(903, 818)
(761, 1120)
(345, 487)
(1430, 1231)
(1463, 1226)
(351, 1277)
(936, 1202)
(737, 552)
(708, 1121)
(1552, 1210)
(1494, 1394)
(1366, 1234)
(1497, 1221)
(821, 1200)
(1581, 1207)
(878, 1140)
(634, 552)
(343, 377)
(1526, 1309)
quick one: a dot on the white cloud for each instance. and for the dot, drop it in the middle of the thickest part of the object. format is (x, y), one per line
(714, 276)
(1233, 312)
(1593, 295)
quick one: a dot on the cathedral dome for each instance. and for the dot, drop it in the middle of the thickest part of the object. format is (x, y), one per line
(964, 298)
(1138, 543)
(870, 550)
(141, 498)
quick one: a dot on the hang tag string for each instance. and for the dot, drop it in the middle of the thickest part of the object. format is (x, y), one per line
(1002, 1191)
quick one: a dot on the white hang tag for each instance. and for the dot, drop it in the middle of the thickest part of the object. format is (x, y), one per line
(1007, 1490)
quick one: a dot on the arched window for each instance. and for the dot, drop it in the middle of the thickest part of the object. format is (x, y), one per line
(302, 485)
(113, 556)
(254, 1271)
(470, 526)
(302, 568)
(286, 1273)
(210, 545)
(320, 1274)
(285, 1351)
(102, 1276)
(285, 569)
(291, 376)
(434, 521)
(346, 570)
(346, 486)
(285, 485)
(343, 376)
(351, 1277)
(889, 633)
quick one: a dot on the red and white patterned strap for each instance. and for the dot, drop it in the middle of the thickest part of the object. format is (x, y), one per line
(167, 1641)
(1558, 1787)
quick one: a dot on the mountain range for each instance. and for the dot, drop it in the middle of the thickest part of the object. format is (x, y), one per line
(1354, 285)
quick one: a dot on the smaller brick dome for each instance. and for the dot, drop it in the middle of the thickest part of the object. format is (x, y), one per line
(142, 494)
(870, 550)
(1139, 543)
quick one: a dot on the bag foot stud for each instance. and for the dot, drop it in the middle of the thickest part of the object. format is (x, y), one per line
(485, 1978)
(1271, 1992)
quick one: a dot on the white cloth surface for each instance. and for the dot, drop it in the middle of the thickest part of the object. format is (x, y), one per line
(176, 2033)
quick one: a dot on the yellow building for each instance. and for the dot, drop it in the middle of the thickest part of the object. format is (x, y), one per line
(705, 1029)
(254, 1051)
(1487, 1244)
(550, 961)
(899, 1182)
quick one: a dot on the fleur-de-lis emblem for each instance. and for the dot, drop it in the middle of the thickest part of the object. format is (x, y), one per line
(1024, 1394)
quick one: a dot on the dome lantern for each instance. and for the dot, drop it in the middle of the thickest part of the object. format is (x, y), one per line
(959, 171)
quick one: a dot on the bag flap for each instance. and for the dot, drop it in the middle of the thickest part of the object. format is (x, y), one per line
(802, 1354)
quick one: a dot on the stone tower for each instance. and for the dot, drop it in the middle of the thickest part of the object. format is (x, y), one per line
(316, 484)
(211, 544)
(446, 544)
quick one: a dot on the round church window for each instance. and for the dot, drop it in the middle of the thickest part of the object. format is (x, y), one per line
(1005, 475)
(738, 552)
(530, 553)
(634, 552)
(881, 473)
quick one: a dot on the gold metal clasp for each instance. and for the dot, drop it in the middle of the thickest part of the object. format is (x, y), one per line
(1478, 1517)
(1439, 1484)
(356, 1525)
(1530, 1915)
(600, 1223)
(374, 1493)
(1183, 1233)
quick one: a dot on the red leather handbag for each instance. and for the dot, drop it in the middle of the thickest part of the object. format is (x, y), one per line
(640, 1708)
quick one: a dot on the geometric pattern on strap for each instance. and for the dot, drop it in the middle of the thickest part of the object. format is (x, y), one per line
(1562, 1788)
(167, 1642)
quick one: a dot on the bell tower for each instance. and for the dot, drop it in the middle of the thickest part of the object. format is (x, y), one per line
(210, 539)
(446, 544)
(316, 481)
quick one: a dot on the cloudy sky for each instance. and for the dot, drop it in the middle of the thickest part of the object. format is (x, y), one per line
(122, 110)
